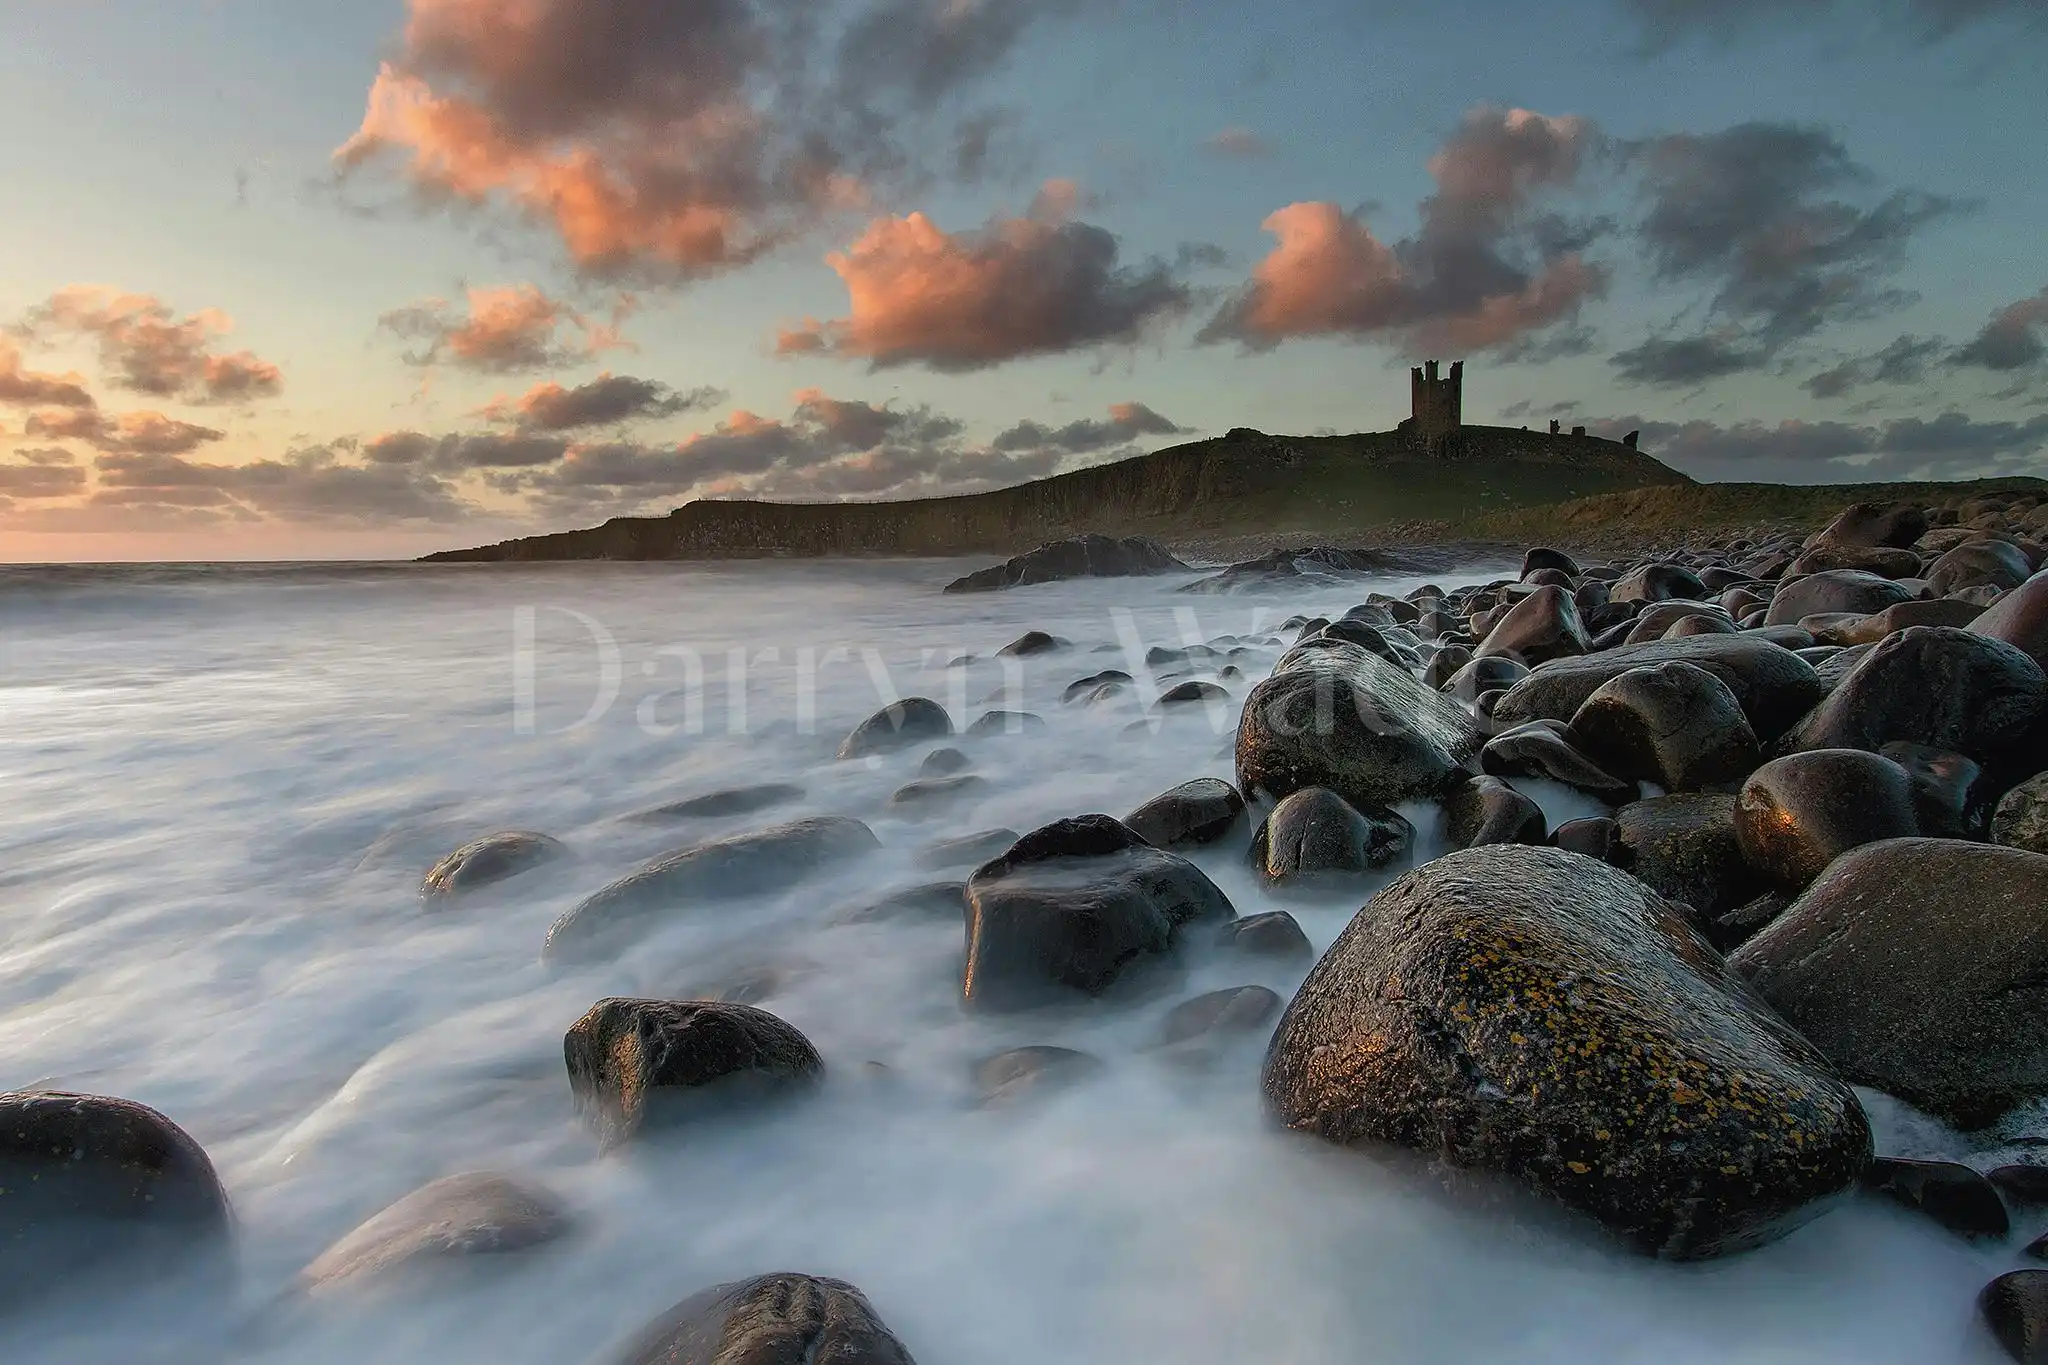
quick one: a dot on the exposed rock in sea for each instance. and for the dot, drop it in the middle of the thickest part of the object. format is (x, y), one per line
(944, 763)
(1239, 1009)
(1071, 906)
(1005, 723)
(1080, 557)
(933, 900)
(473, 1214)
(103, 1191)
(1274, 934)
(1332, 715)
(897, 726)
(761, 863)
(732, 801)
(1538, 1014)
(1204, 811)
(928, 795)
(1917, 966)
(640, 1065)
(969, 850)
(781, 1319)
(1030, 1072)
(1486, 810)
(492, 859)
(1315, 837)
(1953, 1195)
(1314, 566)
(1542, 748)
(2015, 1307)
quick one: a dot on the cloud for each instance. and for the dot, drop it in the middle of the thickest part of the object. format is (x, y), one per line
(1668, 22)
(1127, 422)
(1904, 361)
(678, 139)
(465, 452)
(1237, 141)
(136, 433)
(2012, 339)
(1036, 285)
(26, 388)
(1772, 220)
(37, 474)
(1684, 360)
(608, 400)
(145, 347)
(314, 485)
(505, 329)
(1950, 446)
(1484, 270)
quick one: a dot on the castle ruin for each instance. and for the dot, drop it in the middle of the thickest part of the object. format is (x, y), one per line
(1437, 405)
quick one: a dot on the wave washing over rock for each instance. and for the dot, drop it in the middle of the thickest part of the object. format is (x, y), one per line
(281, 851)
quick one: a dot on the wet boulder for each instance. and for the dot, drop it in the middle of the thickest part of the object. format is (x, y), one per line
(1544, 625)
(1540, 1015)
(944, 763)
(1953, 1195)
(1674, 724)
(1595, 836)
(1920, 967)
(2015, 1307)
(1868, 630)
(1315, 836)
(1774, 686)
(1081, 687)
(1030, 1072)
(1833, 591)
(762, 863)
(1657, 583)
(1543, 749)
(1486, 810)
(1204, 811)
(474, 1214)
(721, 804)
(1951, 797)
(1493, 673)
(898, 726)
(1542, 557)
(1191, 693)
(1897, 526)
(928, 796)
(1080, 557)
(1070, 907)
(1933, 685)
(780, 1319)
(1218, 1015)
(2020, 618)
(1005, 723)
(1275, 934)
(1684, 847)
(101, 1190)
(1797, 814)
(484, 862)
(636, 1066)
(1335, 716)
(933, 900)
(1978, 564)
(2021, 820)
(1032, 642)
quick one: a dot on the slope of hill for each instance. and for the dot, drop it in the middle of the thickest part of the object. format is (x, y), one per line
(1242, 483)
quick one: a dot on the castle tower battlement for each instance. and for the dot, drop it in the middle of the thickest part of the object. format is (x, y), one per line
(1438, 404)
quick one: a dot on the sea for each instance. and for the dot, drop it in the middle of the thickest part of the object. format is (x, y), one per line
(220, 787)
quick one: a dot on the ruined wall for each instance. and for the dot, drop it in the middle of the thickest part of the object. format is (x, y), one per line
(1437, 404)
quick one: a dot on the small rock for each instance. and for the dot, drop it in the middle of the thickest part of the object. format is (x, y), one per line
(1315, 836)
(934, 900)
(477, 1213)
(735, 801)
(897, 726)
(1011, 1076)
(1593, 837)
(2021, 820)
(778, 1319)
(1204, 811)
(944, 763)
(2015, 1307)
(1032, 642)
(1240, 1009)
(1275, 934)
(916, 800)
(485, 861)
(1005, 723)
(1953, 1195)
(1486, 810)
(1189, 692)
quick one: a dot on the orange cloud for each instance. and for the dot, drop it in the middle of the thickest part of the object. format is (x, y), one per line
(146, 433)
(1035, 285)
(26, 388)
(506, 328)
(147, 348)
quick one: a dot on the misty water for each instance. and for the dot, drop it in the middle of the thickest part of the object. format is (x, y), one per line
(218, 792)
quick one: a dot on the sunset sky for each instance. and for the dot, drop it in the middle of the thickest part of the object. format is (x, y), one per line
(285, 279)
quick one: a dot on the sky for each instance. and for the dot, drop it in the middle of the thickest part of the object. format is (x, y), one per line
(285, 279)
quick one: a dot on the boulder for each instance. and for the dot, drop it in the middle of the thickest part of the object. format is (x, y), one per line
(1797, 814)
(2020, 618)
(1835, 590)
(1486, 810)
(1240, 1009)
(1979, 564)
(1684, 847)
(1658, 583)
(1080, 557)
(762, 863)
(1542, 749)
(1774, 686)
(933, 900)
(473, 1214)
(1896, 525)
(1275, 934)
(1674, 724)
(778, 1319)
(1192, 692)
(1070, 907)
(2021, 820)
(1032, 642)
(897, 726)
(721, 804)
(1920, 966)
(1951, 799)
(1315, 836)
(637, 1066)
(1932, 685)
(1081, 687)
(944, 763)
(482, 862)
(1204, 811)
(101, 1189)
(1025, 1072)
(1537, 1014)
(1595, 836)
(1868, 630)
(927, 796)
(1953, 1195)
(1005, 723)
(1542, 558)
(2015, 1307)
(1335, 716)
(1482, 675)
(1871, 559)
(1544, 625)
(969, 850)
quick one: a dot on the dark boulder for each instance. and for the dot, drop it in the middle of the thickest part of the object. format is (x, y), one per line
(761, 863)
(1005, 723)
(1797, 814)
(1870, 559)
(2020, 618)
(1933, 685)
(1544, 625)
(1070, 906)
(1537, 1014)
(1081, 687)
(1978, 564)
(1275, 934)
(1337, 717)
(1315, 836)
(1492, 673)
(640, 1065)
(1951, 798)
(1542, 749)
(473, 1214)
(1026, 1072)
(1685, 849)
(1446, 664)
(944, 763)
(934, 900)
(1835, 590)
(1896, 525)
(1486, 810)
(1080, 557)
(897, 726)
(1953, 1195)
(2015, 1307)
(721, 804)
(482, 862)
(1204, 811)
(970, 850)
(1774, 686)
(928, 795)
(2021, 820)
(1658, 583)
(1920, 966)
(770, 1320)
(1543, 558)
(99, 1189)
(1192, 692)
(1032, 642)
(1674, 724)
(1595, 836)
(1868, 630)
(1240, 1009)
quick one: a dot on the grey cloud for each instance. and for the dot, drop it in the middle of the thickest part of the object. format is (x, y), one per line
(2012, 340)
(1952, 445)
(608, 400)
(1668, 22)
(1904, 361)
(1127, 422)
(1684, 360)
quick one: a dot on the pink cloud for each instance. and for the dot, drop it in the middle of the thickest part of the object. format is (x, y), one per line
(147, 348)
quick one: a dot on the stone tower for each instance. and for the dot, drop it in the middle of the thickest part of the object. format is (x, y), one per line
(1438, 404)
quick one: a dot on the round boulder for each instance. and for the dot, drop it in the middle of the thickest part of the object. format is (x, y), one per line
(1486, 810)
(477, 1213)
(494, 858)
(1835, 590)
(1684, 848)
(1918, 966)
(1204, 811)
(1316, 836)
(1544, 625)
(1541, 749)
(2020, 618)
(1799, 813)
(1674, 724)
(897, 726)
(1541, 1015)
(1775, 686)
(778, 1319)
(1978, 564)
(1952, 689)
(1275, 934)
(2015, 1307)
